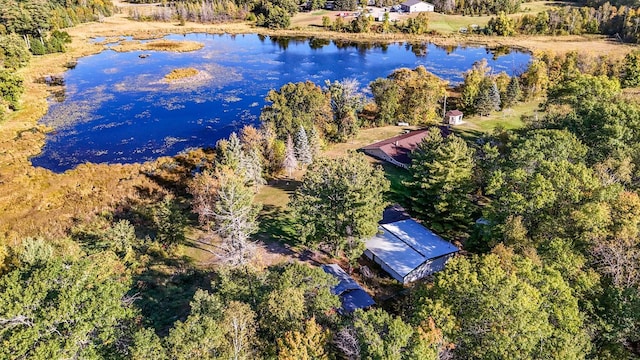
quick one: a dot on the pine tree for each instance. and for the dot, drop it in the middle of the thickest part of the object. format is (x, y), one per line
(442, 171)
(488, 98)
(251, 168)
(235, 215)
(230, 151)
(340, 202)
(290, 162)
(513, 94)
(494, 94)
(315, 143)
(302, 148)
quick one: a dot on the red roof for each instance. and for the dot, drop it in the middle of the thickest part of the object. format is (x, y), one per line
(399, 147)
(453, 113)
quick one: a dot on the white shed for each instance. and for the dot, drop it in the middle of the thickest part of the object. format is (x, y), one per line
(409, 251)
(453, 117)
(414, 6)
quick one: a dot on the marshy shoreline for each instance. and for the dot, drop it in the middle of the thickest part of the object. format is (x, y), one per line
(37, 201)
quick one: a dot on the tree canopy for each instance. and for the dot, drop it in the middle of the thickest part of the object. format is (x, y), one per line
(340, 202)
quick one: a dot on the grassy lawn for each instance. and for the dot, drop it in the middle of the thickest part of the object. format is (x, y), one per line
(476, 125)
(364, 137)
(452, 23)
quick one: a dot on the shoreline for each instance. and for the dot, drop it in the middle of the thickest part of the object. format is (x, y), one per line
(35, 201)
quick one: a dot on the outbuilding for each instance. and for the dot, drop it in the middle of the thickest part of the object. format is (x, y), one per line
(414, 6)
(453, 117)
(408, 251)
(351, 294)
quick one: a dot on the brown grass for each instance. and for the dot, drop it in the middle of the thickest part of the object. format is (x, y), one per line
(179, 74)
(159, 45)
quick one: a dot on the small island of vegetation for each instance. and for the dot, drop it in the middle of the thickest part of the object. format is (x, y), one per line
(158, 45)
(181, 74)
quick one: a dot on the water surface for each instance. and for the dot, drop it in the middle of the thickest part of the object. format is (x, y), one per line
(117, 109)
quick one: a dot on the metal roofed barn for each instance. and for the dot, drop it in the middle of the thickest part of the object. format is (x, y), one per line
(409, 251)
(351, 294)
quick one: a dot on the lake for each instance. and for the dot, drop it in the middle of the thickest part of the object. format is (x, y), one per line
(116, 108)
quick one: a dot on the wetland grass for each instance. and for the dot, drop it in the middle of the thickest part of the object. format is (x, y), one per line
(180, 74)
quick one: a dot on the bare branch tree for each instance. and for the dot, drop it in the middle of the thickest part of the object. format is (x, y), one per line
(346, 340)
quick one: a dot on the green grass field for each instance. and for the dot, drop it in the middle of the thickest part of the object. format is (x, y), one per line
(475, 126)
(445, 24)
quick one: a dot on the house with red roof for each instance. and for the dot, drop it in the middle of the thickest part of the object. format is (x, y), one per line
(397, 149)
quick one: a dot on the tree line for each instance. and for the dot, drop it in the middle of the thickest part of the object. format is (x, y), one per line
(476, 7)
(621, 22)
(39, 22)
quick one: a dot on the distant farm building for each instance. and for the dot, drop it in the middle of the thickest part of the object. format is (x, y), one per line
(397, 149)
(351, 294)
(414, 6)
(408, 251)
(453, 117)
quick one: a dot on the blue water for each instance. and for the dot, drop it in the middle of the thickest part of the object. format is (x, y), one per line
(116, 109)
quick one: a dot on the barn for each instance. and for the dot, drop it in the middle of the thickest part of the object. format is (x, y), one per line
(408, 251)
(415, 6)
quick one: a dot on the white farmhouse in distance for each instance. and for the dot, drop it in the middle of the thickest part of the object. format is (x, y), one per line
(414, 6)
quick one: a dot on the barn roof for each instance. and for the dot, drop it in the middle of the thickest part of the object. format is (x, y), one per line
(352, 295)
(411, 2)
(406, 244)
(399, 147)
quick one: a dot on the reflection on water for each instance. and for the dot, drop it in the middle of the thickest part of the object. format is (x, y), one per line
(117, 108)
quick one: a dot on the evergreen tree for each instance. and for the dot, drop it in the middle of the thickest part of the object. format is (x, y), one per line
(631, 70)
(315, 143)
(169, 221)
(302, 149)
(235, 216)
(230, 152)
(224, 199)
(513, 93)
(290, 162)
(494, 94)
(442, 176)
(340, 200)
(251, 168)
(488, 98)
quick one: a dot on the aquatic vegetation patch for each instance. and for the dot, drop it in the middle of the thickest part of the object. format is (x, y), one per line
(158, 45)
(180, 74)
